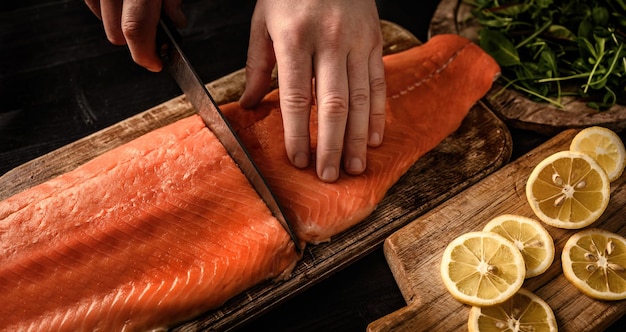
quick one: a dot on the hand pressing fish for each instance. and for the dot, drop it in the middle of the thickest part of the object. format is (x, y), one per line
(166, 227)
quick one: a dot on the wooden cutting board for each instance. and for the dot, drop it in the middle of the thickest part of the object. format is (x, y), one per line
(414, 253)
(480, 146)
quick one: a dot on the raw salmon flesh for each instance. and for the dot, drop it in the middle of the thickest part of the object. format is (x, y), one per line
(166, 227)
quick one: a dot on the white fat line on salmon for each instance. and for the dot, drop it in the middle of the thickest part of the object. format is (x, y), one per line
(427, 78)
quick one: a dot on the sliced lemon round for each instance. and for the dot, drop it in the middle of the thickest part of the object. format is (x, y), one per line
(524, 311)
(568, 189)
(594, 261)
(482, 268)
(530, 237)
(603, 145)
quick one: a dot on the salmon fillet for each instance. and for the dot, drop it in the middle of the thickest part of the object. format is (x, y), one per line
(430, 90)
(163, 227)
(166, 227)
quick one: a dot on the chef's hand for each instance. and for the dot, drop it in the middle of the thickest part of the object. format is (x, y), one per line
(338, 42)
(134, 22)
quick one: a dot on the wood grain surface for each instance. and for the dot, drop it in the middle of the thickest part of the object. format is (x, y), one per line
(414, 253)
(479, 147)
(454, 16)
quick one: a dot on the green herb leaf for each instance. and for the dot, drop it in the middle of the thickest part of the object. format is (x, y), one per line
(561, 32)
(548, 48)
(499, 47)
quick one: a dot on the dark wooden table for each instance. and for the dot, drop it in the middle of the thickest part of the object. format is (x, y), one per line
(61, 80)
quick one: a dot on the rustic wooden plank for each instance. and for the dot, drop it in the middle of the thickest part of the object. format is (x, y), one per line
(454, 16)
(414, 253)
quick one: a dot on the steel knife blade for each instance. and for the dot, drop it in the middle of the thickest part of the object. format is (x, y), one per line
(178, 66)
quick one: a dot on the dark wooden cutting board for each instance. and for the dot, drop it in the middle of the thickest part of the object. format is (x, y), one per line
(479, 147)
(414, 253)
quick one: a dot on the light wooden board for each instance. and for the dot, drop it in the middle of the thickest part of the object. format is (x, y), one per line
(414, 253)
(480, 146)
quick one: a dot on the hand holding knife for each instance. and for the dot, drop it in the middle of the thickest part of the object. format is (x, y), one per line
(336, 44)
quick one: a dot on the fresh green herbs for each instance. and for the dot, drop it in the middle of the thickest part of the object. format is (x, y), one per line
(553, 48)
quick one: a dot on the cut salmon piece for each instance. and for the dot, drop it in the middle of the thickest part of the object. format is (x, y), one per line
(165, 227)
(162, 228)
(430, 90)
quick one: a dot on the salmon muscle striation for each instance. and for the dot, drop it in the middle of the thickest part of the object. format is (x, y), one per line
(430, 90)
(160, 229)
(166, 227)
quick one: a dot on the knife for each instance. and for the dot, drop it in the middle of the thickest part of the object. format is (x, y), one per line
(175, 61)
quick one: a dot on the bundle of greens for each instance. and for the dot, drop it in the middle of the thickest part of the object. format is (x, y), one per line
(552, 48)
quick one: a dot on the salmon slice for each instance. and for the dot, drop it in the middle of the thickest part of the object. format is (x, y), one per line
(163, 227)
(166, 227)
(430, 90)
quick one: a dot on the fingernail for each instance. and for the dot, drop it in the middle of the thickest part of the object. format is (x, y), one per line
(329, 174)
(374, 139)
(355, 165)
(301, 160)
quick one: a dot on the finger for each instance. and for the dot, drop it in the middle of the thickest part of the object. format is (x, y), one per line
(259, 64)
(331, 85)
(111, 15)
(94, 6)
(378, 98)
(139, 24)
(355, 143)
(173, 10)
(295, 81)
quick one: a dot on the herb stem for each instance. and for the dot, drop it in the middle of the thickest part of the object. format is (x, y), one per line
(617, 53)
(535, 34)
(563, 78)
(512, 83)
(554, 49)
(593, 71)
(532, 93)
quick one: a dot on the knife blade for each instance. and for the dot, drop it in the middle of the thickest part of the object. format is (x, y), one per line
(179, 67)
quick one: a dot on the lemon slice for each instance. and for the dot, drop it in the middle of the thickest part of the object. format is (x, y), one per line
(525, 311)
(482, 268)
(594, 261)
(568, 189)
(530, 237)
(604, 146)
